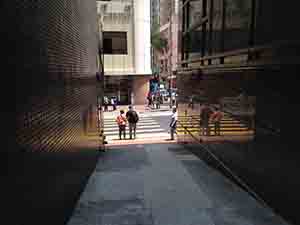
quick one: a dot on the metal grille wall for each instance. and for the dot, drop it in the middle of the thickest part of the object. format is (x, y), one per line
(54, 48)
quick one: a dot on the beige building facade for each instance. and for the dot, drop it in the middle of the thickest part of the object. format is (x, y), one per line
(125, 29)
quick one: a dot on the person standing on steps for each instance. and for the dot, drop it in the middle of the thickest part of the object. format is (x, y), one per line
(204, 119)
(173, 123)
(216, 118)
(132, 118)
(121, 121)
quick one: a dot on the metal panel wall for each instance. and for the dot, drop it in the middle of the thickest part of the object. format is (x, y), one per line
(55, 47)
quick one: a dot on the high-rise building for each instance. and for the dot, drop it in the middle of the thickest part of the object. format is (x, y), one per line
(125, 29)
(167, 57)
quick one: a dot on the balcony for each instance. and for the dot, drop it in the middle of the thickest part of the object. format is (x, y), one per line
(107, 8)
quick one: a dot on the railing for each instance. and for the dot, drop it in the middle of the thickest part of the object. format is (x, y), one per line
(251, 62)
(226, 169)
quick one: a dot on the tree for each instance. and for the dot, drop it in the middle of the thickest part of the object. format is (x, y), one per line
(158, 42)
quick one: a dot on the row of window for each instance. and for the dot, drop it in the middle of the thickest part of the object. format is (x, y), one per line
(211, 26)
(214, 26)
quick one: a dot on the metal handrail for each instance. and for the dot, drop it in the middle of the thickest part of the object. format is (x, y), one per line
(196, 25)
(232, 174)
(241, 51)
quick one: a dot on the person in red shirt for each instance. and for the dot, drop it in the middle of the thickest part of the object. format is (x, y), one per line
(216, 118)
(121, 121)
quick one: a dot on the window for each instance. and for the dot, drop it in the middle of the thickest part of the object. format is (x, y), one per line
(216, 26)
(115, 43)
(212, 26)
(237, 24)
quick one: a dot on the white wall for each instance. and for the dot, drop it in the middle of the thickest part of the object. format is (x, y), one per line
(138, 59)
(142, 36)
(115, 19)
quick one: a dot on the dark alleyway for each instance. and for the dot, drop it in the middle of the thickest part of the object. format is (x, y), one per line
(130, 186)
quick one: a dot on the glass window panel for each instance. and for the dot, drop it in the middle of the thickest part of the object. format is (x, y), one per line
(195, 11)
(195, 36)
(237, 24)
(115, 42)
(217, 26)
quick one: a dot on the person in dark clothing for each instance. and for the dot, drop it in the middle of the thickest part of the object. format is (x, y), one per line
(149, 99)
(173, 123)
(204, 119)
(132, 118)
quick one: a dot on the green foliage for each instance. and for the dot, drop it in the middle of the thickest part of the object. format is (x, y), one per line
(157, 41)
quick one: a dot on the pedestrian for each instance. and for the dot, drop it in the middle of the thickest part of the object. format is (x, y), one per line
(113, 103)
(216, 118)
(105, 103)
(152, 100)
(132, 118)
(161, 100)
(121, 121)
(191, 102)
(149, 99)
(173, 123)
(204, 119)
(157, 98)
(173, 99)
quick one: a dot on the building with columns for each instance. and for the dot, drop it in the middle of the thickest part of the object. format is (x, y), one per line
(125, 28)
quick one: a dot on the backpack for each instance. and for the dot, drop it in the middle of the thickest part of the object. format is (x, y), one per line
(134, 117)
(121, 120)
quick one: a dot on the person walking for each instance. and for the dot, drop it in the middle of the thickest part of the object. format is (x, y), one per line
(113, 103)
(132, 118)
(191, 102)
(149, 99)
(173, 99)
(204, 119)
(121, 121)
(157, 100)
(173, 123)
(105, 103)
(216, 117)
(152, 100)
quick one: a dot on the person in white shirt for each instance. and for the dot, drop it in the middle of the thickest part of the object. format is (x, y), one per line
(113, 103)
(173, 123)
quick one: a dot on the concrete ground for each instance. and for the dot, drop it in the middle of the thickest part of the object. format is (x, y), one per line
(164, 184)
(266, 164)
(153, 126)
